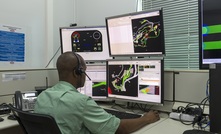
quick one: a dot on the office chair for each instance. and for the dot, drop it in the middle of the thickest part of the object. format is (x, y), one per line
(34, 123)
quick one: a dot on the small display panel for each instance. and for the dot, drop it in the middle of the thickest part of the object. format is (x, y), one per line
(89, 42)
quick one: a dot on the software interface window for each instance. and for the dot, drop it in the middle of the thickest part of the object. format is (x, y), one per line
(135, 80)
(96, 87)
(136, 33)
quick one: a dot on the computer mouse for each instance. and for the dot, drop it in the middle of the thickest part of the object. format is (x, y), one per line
(11, 117)
(1, 119)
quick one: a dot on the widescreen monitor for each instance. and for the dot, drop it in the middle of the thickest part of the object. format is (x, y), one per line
(89, 42)
(136, 80)
(96, 87)
(136, 34)
(209, 33)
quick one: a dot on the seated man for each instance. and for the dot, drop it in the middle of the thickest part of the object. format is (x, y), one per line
(77, 113)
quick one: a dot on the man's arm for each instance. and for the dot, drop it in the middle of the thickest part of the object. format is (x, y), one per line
(130, 125)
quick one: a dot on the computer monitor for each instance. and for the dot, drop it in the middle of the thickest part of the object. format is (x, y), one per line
(209, 33)
(136, 80)
(89, 42)
(96, 87)
(136, 34)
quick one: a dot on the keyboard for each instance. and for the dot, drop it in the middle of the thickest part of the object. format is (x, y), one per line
(122, 115)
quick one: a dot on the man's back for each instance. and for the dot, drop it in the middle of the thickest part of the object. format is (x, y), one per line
(74, 112)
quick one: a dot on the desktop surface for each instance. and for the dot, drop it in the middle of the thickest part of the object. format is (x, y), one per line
(164, 125)
(196, 131)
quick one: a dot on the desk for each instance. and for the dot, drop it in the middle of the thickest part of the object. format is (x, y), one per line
(7, 123)
(9, 126)
(164, 126)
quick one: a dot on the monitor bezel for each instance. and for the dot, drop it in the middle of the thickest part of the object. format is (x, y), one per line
(202, 66)
(162, 53)
(139, 101)
(101, 59)
(93, 68)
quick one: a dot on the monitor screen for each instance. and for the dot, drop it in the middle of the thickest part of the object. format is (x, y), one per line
(136, 34)
(136, 80)
(89, 42)
(209, 33)
(96, 87)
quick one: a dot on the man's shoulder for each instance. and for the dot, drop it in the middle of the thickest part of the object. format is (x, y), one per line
(75, 96)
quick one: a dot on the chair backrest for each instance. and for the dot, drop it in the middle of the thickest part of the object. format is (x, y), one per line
(34, 123)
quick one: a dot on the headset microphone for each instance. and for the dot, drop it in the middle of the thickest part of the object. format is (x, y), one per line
(79, 70)
(87, 75)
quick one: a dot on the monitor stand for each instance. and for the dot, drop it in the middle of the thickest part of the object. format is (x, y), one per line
(196, 131)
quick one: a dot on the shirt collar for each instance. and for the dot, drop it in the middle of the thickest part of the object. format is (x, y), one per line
(67, 85)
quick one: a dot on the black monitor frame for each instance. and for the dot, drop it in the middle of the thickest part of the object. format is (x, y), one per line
(208, 7)
(134, 98)
(136, 48)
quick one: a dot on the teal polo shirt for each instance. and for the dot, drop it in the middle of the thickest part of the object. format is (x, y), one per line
(74, 112)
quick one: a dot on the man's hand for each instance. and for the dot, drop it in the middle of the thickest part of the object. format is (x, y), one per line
(151, 116)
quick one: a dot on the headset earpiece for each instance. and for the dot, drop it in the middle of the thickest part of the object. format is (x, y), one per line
(79, 69)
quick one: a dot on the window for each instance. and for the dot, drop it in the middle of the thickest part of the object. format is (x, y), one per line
(181, 32)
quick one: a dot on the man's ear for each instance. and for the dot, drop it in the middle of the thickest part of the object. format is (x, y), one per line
(74, 73)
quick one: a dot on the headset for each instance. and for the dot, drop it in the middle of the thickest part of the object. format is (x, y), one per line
(79, 70)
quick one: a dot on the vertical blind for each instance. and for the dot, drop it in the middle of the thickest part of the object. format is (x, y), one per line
(181, 32)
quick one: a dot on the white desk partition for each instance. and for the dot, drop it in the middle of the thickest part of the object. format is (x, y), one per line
(24, 80)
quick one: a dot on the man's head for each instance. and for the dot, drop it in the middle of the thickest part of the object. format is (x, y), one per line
(71, 67)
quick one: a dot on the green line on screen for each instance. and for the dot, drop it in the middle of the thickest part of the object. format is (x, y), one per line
(212, 45)
(211, 29)
(99, 84)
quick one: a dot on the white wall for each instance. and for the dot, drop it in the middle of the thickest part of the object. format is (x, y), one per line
(32, 79)
(41, 20)
(190, 86)
(30, 16)
(93, 12)
(63, 15)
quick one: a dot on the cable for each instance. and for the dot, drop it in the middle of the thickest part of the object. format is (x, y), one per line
(208, 124)
(52, 57)
(184, 122)
(201, 119)
(3, 104)
(143, 107)
(207, 88)
(203, 103)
